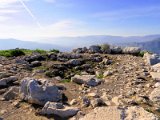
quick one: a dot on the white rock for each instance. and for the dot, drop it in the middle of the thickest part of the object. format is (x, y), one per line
(39, 92)
(155, 76)
(155, 95)
(157, 84)
(151, 59)
(107, 73)
(131, 50)
(52, 108)
(90, 80)
(156, 67)
(116, 113)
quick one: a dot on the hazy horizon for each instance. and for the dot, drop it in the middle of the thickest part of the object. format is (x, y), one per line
(33, 20)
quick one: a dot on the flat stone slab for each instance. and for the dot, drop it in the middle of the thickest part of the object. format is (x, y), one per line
(155, 76)
(117, 113)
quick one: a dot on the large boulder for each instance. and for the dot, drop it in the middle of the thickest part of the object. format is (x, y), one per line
(52, 108)
(39, 91)
(131, 50)
(89, 80)
(94, 49)
(37, 57)
(151, 59)
(75, 62)
(80, 50)
(117, 113)
(116, 50)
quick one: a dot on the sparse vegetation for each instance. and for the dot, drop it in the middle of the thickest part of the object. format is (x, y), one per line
(100, 76)
(66, 81)
(54, 51)
(40, 51)
(19, 52)
(105, 48)
(12, 53)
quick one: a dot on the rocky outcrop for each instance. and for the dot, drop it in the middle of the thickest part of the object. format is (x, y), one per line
(152, 59)
(116, 50)
(156, 67)
(39, 92)
(94, 49)
(117, 113)
(131, 50)
(89, 80)
(52, 108)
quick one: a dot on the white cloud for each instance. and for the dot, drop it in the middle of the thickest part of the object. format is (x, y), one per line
(59, 28)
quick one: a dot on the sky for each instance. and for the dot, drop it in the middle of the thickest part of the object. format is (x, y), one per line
(38, 19)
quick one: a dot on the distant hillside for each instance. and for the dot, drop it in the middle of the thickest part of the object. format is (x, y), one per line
(153, 46)
(74, 42)
(150, 42)
(13, 43)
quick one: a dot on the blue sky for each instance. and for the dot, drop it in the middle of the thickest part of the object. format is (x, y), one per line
(36, 19)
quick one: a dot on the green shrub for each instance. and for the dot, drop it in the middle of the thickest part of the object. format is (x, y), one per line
(66, 81)
(105, 48)
(40, 51)
(54, 51)
(100, 76)
(12, 53)
(141, 54)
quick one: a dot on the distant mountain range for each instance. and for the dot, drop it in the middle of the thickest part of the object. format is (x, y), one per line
(150, 42)
(13, 43)
(153, 46)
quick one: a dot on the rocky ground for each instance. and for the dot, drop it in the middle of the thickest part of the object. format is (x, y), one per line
(86, 84)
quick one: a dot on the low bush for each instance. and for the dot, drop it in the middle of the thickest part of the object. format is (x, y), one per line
(105, 48)
(12, 53)
(54, 51)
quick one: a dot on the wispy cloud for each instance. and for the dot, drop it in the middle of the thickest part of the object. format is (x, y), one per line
(30, 13)
(128, 13)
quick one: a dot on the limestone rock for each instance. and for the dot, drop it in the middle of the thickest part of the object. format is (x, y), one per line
(4, 81)
(155, 76)
(38, 92)
(116, 50)
(95, 49)
(89, 80)
(151, 59)
(156, 67)
(74, 62)
(117, 113)
(131, 50)
(107, 73)
(155, 95)
(52, 108)
(11, 94)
